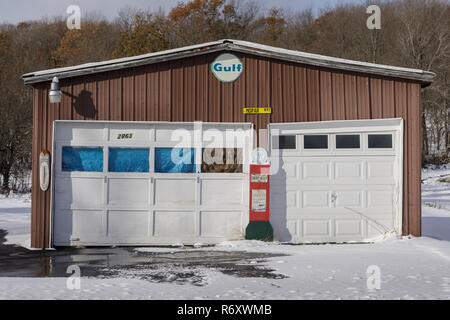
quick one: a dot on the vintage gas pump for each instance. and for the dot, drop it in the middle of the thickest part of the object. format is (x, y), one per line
(259, 227)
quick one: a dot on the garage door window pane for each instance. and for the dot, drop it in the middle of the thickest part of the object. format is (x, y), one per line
(316, 142)
(284, 142)
(380, 141)
(287, 142)
(86, 159)
(128, 160)
(222, 160)
(347, 141)
(174, 160)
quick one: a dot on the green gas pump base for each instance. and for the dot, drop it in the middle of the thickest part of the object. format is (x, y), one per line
(259, 230)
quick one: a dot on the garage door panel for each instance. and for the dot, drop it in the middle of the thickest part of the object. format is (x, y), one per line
(349, 198)
(289, 172)
(122, 133)
(221, 224)
(292, 227)
(174, 224)
(88, 224)
(380, 172)
(217, 136)
(379, 227)
(284, 230)
(174, 192)
(128, 224)
(286, 199)
(64, 220)
(316, 199)
(222, 191)
(380, 198)
(348, 172)
(125, 192)
(168, 134)
(315, 170)
(300, 213)
(81, 132)
(349, 227)
(79, 192)
(316, 227)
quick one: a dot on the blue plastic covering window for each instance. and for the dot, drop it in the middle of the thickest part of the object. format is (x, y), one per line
(88, 159)
(174, 160)
(128, 160)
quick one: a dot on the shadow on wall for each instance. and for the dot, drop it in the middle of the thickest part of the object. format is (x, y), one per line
(436, 227)
(278, 204)
(83, 104)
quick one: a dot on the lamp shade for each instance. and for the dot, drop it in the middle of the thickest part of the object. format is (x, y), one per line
(55, 93)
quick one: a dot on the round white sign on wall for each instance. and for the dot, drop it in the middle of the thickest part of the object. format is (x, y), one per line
(227, 67)
(259, 156)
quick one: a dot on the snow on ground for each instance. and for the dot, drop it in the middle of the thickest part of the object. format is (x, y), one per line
(15, 218)
(410, 268)
(432, 171)
(436, 202)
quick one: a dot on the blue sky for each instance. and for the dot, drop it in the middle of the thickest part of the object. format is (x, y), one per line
(19, 10)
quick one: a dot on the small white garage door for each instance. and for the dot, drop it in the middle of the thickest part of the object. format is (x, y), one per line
(336, 181)
(134, 183)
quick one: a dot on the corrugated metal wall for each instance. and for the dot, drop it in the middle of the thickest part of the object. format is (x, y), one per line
(186, 90)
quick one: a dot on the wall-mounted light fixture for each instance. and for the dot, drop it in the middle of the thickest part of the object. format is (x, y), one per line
(55, 93)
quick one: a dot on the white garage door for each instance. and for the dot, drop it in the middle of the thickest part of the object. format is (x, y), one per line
(131, 183)
(336, 181)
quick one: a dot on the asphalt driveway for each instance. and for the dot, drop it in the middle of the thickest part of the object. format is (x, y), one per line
(180, 265)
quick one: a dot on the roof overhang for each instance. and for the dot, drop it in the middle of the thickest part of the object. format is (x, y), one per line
(424, 77)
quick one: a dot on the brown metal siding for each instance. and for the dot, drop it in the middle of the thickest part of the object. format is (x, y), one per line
(326, 110)
(301, 96)
(363, 96)
(186, 90)
(338, 96)
(313, 94)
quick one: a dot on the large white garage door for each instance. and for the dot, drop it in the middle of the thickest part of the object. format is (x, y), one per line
(336, 181)
(131, 183)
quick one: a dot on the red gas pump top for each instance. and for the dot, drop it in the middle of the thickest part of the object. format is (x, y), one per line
(259, 192)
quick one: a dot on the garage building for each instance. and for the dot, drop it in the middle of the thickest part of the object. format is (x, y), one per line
(343, 139)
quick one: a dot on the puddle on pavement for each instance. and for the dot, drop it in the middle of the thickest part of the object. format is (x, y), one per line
(188, 265)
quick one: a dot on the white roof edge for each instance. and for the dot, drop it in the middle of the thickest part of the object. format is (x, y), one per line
(322, 57)
(304, 57)
(122, 60)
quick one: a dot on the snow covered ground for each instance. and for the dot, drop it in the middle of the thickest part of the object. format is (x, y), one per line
(436, 203)
(15, 218)
(410, 268)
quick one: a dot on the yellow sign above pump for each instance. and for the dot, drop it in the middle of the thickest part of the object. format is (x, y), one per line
(258, 110)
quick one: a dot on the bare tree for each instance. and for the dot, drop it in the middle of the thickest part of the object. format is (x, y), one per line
(424, 43)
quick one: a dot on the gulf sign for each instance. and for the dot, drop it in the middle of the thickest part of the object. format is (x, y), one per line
(227, 67)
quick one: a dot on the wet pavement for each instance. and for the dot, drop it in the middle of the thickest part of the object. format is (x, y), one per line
(178, 265)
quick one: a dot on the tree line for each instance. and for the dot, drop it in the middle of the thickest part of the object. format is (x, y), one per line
(414, 34)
